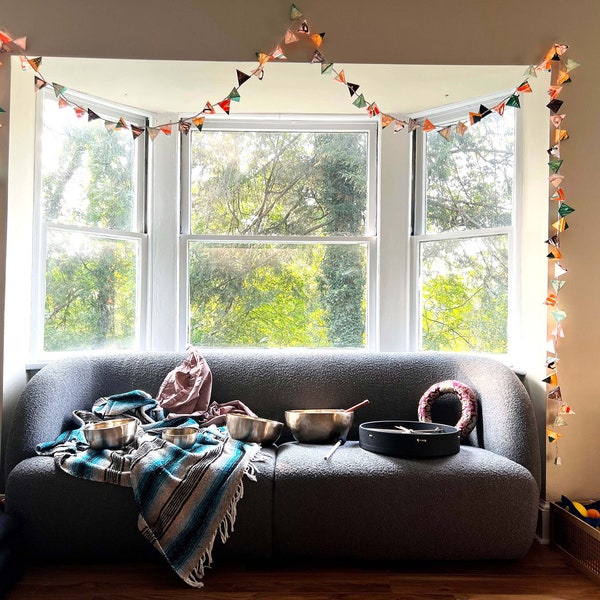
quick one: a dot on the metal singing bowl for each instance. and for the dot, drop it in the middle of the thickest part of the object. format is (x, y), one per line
(110, 435)
(184, 437)
(319, 426)
(253, 429)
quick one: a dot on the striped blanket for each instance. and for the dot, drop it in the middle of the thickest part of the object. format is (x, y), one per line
(185, 498)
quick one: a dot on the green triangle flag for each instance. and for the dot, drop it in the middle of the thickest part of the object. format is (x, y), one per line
(294, 13)
(59, 89)
(360, 101)
(2, 110)
(564, 209)
(326, 68)
(513, 101)
(557, 284)
(234, 95)
(555, 165)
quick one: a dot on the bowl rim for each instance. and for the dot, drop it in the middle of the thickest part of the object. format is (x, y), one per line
(250, 418)
(177, 431)
(317, 411)
(108, 424)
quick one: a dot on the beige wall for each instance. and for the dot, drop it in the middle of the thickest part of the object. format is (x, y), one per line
(426, 32)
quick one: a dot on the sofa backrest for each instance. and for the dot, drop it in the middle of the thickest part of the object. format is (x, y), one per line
(272, 381)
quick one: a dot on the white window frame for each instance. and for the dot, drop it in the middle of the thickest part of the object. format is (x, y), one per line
(307, 123)
(41, 227)
(446, 116)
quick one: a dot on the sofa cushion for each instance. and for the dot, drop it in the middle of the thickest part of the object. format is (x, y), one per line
(67, 517)
(358, 504)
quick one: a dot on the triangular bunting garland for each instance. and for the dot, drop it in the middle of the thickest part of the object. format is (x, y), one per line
(241, 77)
(198, 122)
(136, 131)
(352, 88)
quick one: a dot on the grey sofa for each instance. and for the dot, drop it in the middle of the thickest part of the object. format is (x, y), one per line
(478, 504)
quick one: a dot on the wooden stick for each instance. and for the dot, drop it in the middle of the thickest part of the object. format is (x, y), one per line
(356, 406)
(330, 453)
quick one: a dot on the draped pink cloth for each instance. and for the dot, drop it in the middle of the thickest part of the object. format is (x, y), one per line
(186, 390)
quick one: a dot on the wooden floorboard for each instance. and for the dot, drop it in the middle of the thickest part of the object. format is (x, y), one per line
(542, 575)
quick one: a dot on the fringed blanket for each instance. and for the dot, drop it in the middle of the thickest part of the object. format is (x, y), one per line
(185, 497)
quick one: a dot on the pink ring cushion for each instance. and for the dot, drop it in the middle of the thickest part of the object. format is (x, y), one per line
(465, 394)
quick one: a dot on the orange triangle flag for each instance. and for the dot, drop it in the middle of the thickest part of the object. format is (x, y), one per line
(500, 108)
(166, 129)
(341, 77)
(62, 103)
(225, 105)
(262, 58)
(524, 87)
(428, 126)
(386, 120)
(317, 39)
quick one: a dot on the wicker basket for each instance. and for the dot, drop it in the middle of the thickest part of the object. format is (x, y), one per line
(579, 541)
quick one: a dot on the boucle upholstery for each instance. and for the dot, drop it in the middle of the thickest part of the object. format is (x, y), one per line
(480, 503)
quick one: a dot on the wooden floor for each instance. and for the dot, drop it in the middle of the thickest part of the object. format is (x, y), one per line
(542, 574)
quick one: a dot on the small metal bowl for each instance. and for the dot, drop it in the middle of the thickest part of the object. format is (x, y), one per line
(110, 435)
(253, 429)
(184, 437)
(319, 425)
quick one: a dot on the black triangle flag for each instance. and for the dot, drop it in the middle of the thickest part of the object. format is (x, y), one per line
(242, 77)
(484, 111)
(554, 105)
(92, 116)
(352, 88)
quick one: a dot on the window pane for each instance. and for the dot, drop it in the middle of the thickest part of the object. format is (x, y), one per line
(470, 179)
(279, 183)
(464, 294)
(90, 292)
(88, 173)
(277, 294)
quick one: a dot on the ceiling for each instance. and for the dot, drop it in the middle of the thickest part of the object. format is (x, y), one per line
(183, 87)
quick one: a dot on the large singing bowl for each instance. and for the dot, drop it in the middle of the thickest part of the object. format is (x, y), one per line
(319, 425)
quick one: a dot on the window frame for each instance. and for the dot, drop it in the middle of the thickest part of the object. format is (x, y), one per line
(307, 123)
(137, 234)
(446, 116)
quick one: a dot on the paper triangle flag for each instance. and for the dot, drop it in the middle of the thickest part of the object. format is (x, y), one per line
(294, 13)
(153, 132)
(551, 362)
(558, 330)
(121, 124)
(39, 83)
(352, 88)
(554, 151)
(59, 89)
(446, 132)
(524, 87)
(225, 105)
(557, 284)
(79, 111)
(554, 241)
(554, 91)
(62, 103)
(556, 179)
(317, 39)
(208, 108)
(559, 195)
(184, 126)
(24, 63)
(461, 128)
(554, 105)
(571, 64)
(484, 111)
(551, 300)
(166, 129)
(428, 125)
(554, 254)
(386, 120)
(513, 101)
(303, 28)
(554, 394)
(198, 122)
(317, 57)
(499, 108)
(565, 409)
(241, 77)
(234, 95)
(110, 126)
(340, 77)
(399, 125)
(290, 37)
(560, 135)
(564, 209)
(530, 72)
(92, 116)
(563, 77)
(5, 38)
(412, 125)
(35, 62)
(559, 315)
(360, 101)
(259, 73)
(326, 68)
(263, 58)
(552, 379)
(136, 131)
(278, 54)
(474, 117)
(560, 49)
(552, 435)
(555, 165)
(550, 346)
(559, 270)
(22, 43)
(373, 109)
(556, 120)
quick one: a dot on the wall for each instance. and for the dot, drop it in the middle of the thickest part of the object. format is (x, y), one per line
(432, 32)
